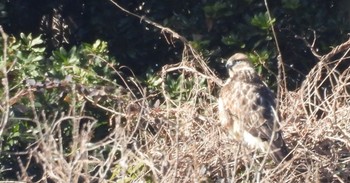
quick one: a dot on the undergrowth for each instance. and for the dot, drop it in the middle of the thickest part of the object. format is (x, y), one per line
(166, 130)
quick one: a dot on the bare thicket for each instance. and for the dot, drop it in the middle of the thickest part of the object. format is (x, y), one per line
(162, 139)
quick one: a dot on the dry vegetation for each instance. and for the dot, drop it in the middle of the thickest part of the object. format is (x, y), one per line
(180, 140)
(156, 138)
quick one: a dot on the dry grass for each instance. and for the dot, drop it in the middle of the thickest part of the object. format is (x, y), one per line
(181, 141)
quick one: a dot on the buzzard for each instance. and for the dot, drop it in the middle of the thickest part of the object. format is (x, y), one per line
(247, 109)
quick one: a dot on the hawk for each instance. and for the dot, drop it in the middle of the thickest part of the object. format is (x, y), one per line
(247, 109)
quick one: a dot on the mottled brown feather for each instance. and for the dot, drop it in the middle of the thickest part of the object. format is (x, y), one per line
(247, 105)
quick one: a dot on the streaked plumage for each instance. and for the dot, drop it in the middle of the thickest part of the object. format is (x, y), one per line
(247, 109)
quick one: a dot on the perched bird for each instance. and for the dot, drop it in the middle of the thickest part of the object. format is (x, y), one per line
(247, 109)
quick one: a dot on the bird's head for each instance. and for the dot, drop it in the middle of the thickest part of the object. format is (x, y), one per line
(237, 63)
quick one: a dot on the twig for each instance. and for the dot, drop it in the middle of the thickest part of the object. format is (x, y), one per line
(175, 35)
(344, 46)
(147, 20)
(281, 79)
(5, 83)
(310, 46)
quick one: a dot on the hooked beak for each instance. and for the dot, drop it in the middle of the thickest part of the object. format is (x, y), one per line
(229, 64)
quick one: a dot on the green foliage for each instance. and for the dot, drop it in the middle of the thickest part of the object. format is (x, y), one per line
(85, 62)
(262, 21)
(152, 81)
(180, 86)
(217, 9)
(216, 28)
(29, 65)
(200, 45)
(259, 60)
(26, 55)
(231, 40)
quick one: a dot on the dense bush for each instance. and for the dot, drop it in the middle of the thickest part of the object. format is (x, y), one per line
(217, 28)
(42, 83)
(96, 94)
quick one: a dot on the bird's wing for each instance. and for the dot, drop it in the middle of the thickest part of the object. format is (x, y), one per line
(267, 126)
(252, 105)
(263, 120)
